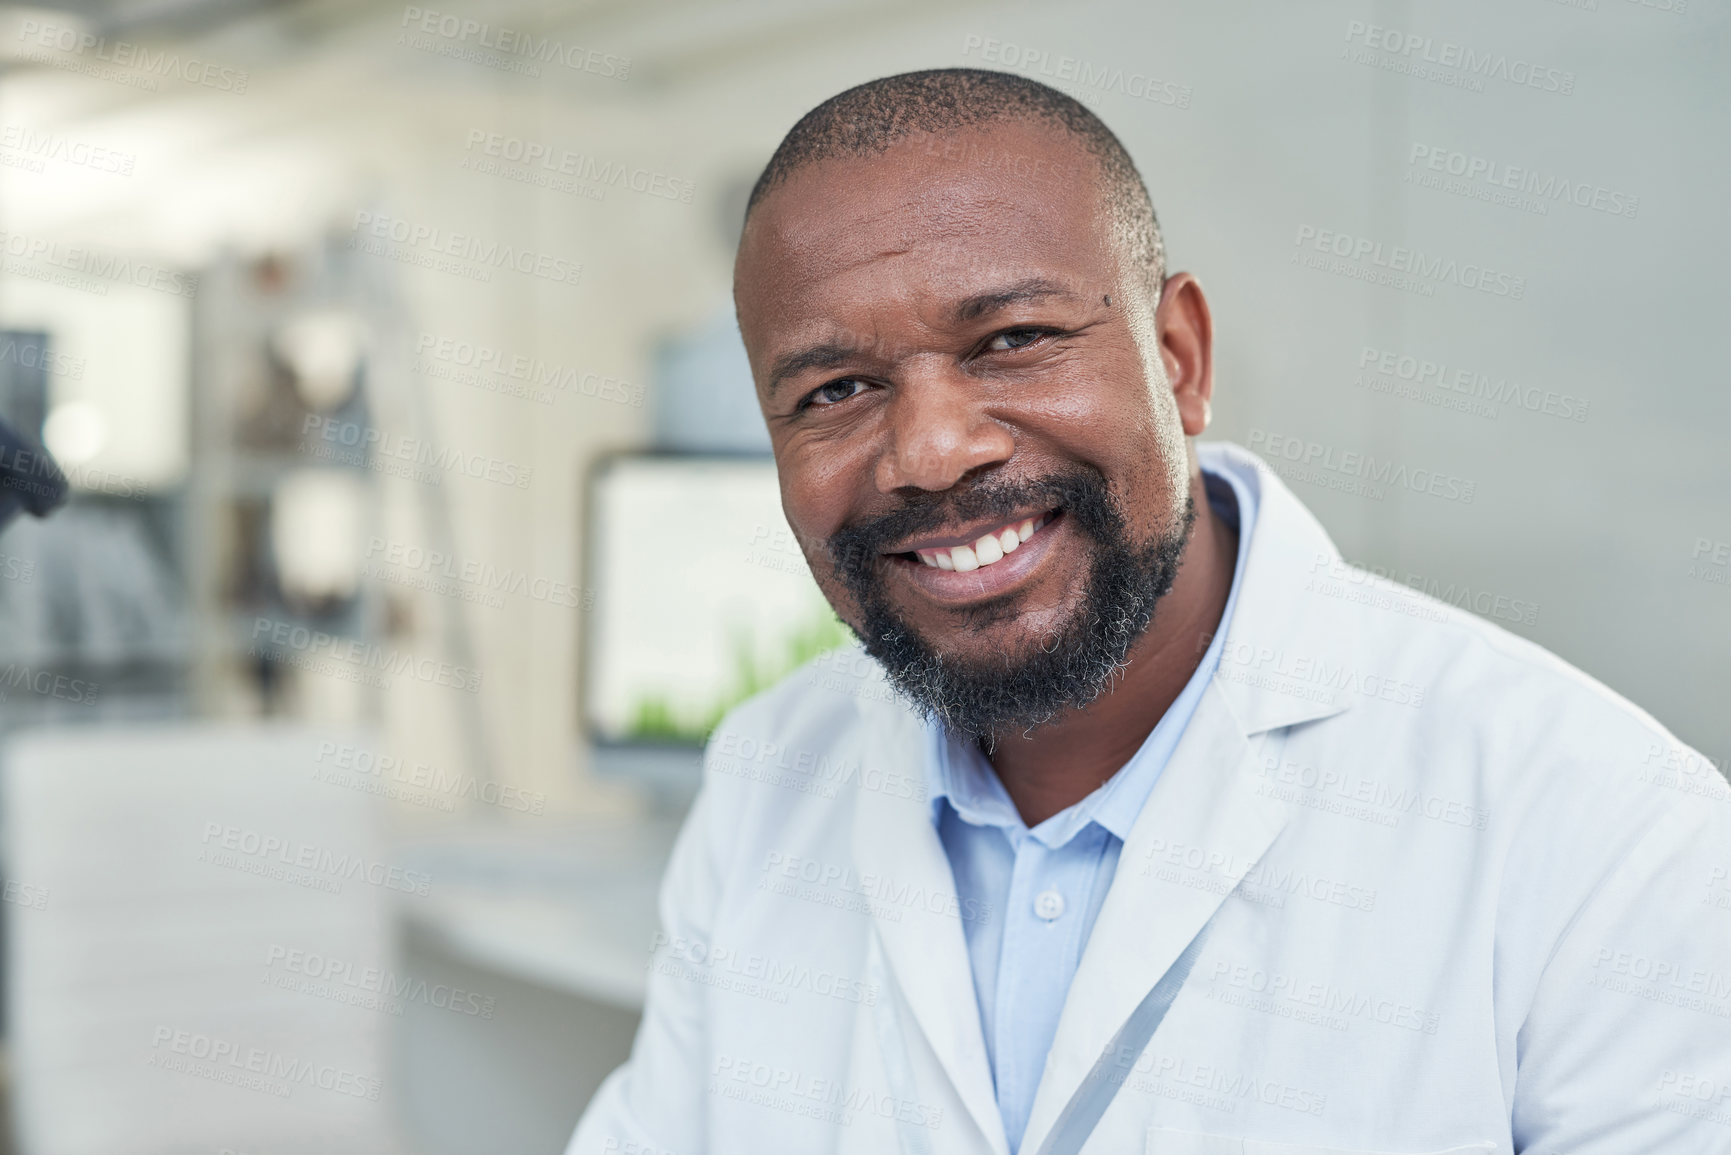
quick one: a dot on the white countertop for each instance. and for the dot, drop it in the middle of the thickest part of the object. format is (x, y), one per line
(572, 908)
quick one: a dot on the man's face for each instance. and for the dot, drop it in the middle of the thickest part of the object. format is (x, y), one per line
(963, 385)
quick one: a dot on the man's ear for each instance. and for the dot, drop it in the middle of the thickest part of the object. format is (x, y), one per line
(1186, 332)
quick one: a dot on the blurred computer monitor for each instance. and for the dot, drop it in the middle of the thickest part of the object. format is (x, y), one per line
(698, 596)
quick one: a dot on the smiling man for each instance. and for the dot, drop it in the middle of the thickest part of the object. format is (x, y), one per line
(1139, 820)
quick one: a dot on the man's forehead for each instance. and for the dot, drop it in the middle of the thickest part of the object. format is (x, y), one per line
(934, 185)
(938, 217)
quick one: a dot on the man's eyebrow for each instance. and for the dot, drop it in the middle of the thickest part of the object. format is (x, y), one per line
(829, 354)
(984, 304)
(825, 355)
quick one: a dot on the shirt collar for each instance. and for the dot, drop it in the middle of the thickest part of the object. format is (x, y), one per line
(959, 777)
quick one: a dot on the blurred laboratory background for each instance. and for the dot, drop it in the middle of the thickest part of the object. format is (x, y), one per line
(421, 520)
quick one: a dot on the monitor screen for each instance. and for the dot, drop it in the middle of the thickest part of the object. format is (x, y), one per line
(701, 595)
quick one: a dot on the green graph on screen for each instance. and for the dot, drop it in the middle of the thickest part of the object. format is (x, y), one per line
(654, 717)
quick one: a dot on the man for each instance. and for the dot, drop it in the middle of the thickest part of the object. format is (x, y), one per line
(1147, 824)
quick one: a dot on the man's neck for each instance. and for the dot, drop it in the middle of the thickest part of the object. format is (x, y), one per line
(1066, 760)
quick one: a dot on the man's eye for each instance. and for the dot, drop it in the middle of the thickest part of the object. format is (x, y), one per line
(1013, 339)
(834, 391)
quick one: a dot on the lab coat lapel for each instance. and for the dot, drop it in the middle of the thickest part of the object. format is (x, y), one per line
(1204, 809)
(1283, 636)
(1205, 825)
(917, 918)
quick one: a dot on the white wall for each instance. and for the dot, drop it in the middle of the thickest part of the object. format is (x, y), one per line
(1592, 522)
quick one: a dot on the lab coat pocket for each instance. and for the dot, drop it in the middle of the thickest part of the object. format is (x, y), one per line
(1162, 1142)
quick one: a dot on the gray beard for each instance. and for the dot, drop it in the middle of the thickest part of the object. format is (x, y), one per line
(1067, 670)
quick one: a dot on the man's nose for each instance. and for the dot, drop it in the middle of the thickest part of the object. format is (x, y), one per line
(939, 431)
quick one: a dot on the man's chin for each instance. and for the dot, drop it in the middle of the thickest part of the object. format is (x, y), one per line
(990, 649)
(1019, 620)
(991, 680)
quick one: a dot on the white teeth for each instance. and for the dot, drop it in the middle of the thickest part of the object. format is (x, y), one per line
(985, 550)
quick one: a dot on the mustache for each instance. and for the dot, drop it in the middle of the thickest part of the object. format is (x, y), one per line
(855, 549)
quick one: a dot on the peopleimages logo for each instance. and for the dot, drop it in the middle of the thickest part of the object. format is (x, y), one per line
(363, 443)
(24, 894)
(37, 34)
(1295, 457)
(461, 253)
(372, 988)
(459, 33)
(586, 169)
(1325, 995)
(47, 683)
(32, 353)
(1311, 677)
(1182, 1078)
(1513, 185)
(352, 659)
(304, 863)
(833, 879)
(1335, 577)
(1093, 78)
(1711, 561)
(1447, 62)
(255, 1068)
(449, 357)
(46, 254)
(467, 578)
(1474, 387)
(1403, 268)
(37, 147)
(731, 968)
(360, 768)
(811, 1097)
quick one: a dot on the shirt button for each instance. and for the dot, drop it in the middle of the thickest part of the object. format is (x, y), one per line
(1049, 904)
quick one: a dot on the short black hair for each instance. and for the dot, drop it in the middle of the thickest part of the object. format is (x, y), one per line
(866, 120)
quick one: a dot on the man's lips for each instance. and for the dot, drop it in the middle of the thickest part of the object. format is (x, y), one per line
(972, 533)
(956, 587)
(988, 549)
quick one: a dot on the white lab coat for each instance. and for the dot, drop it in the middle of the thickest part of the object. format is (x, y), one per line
(1468, 900)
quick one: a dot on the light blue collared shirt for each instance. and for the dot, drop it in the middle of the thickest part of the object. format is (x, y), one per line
(1044, 887)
